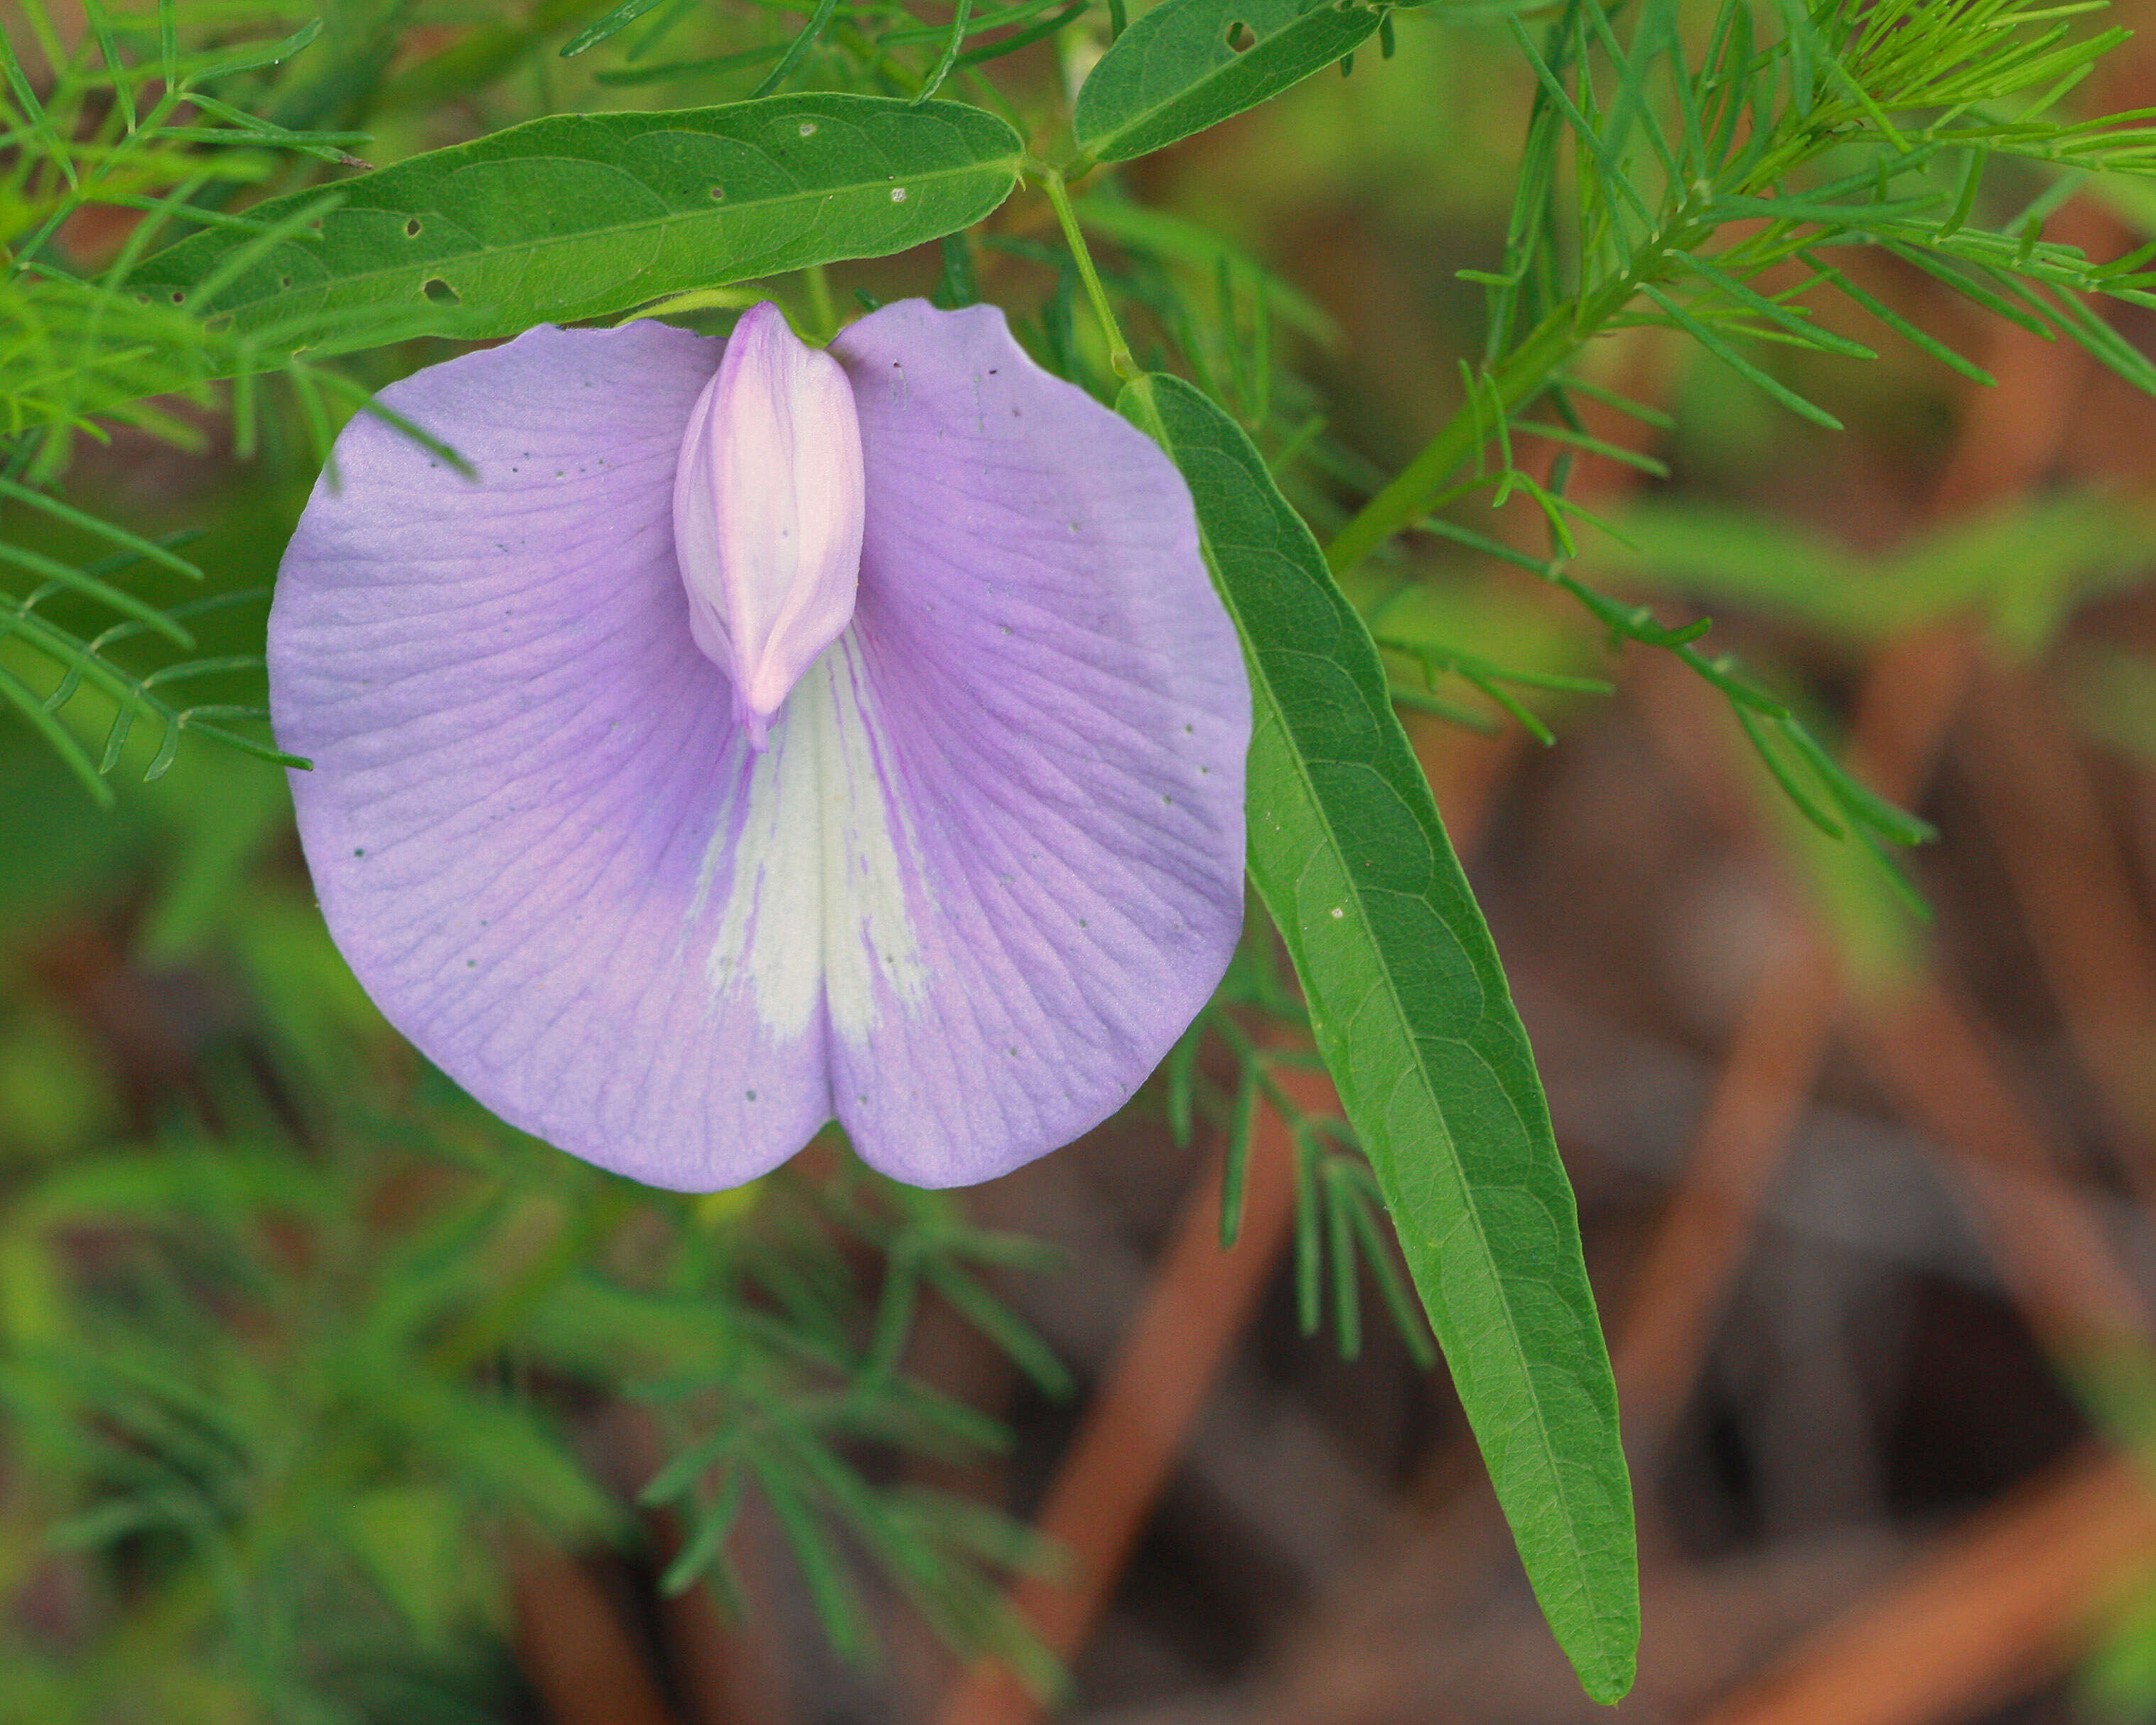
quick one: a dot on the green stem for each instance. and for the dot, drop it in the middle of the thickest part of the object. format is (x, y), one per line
(1523, 375)
(1052, 181)
(818, 284)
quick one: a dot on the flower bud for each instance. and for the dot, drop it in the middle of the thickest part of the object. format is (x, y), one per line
(767, 512)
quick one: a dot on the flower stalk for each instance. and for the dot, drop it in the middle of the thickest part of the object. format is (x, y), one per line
(1054, 183)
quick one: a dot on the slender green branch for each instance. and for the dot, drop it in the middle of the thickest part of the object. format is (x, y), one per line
(1053, 183)
(1516, 383)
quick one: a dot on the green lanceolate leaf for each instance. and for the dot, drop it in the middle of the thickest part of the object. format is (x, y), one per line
(585, 215)
(1175, 71)
(1412, 1015)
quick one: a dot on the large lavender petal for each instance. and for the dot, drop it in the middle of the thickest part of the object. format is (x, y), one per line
(520, 757)
(987, 869)
(1064, 716)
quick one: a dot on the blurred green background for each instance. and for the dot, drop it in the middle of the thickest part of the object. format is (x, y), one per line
(323, 1396)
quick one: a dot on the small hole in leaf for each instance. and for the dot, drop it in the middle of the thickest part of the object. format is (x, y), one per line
(179, 296)
(411, 229)
(718, 193)
(1238, 36)
(284, 282)
(440, 292)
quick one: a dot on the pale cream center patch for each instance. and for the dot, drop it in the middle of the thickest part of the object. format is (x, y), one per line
(815, 905)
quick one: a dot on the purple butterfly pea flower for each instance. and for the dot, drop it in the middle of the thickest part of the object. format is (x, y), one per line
(694, 775)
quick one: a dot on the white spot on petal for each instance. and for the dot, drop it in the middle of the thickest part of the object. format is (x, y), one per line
(815, 907)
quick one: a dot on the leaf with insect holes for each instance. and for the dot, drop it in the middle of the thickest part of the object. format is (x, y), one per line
(1179, 68)
(586, 215)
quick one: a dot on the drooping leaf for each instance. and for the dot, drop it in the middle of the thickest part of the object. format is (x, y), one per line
(1177, 69)
(585, 215)
(1411, 1013)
